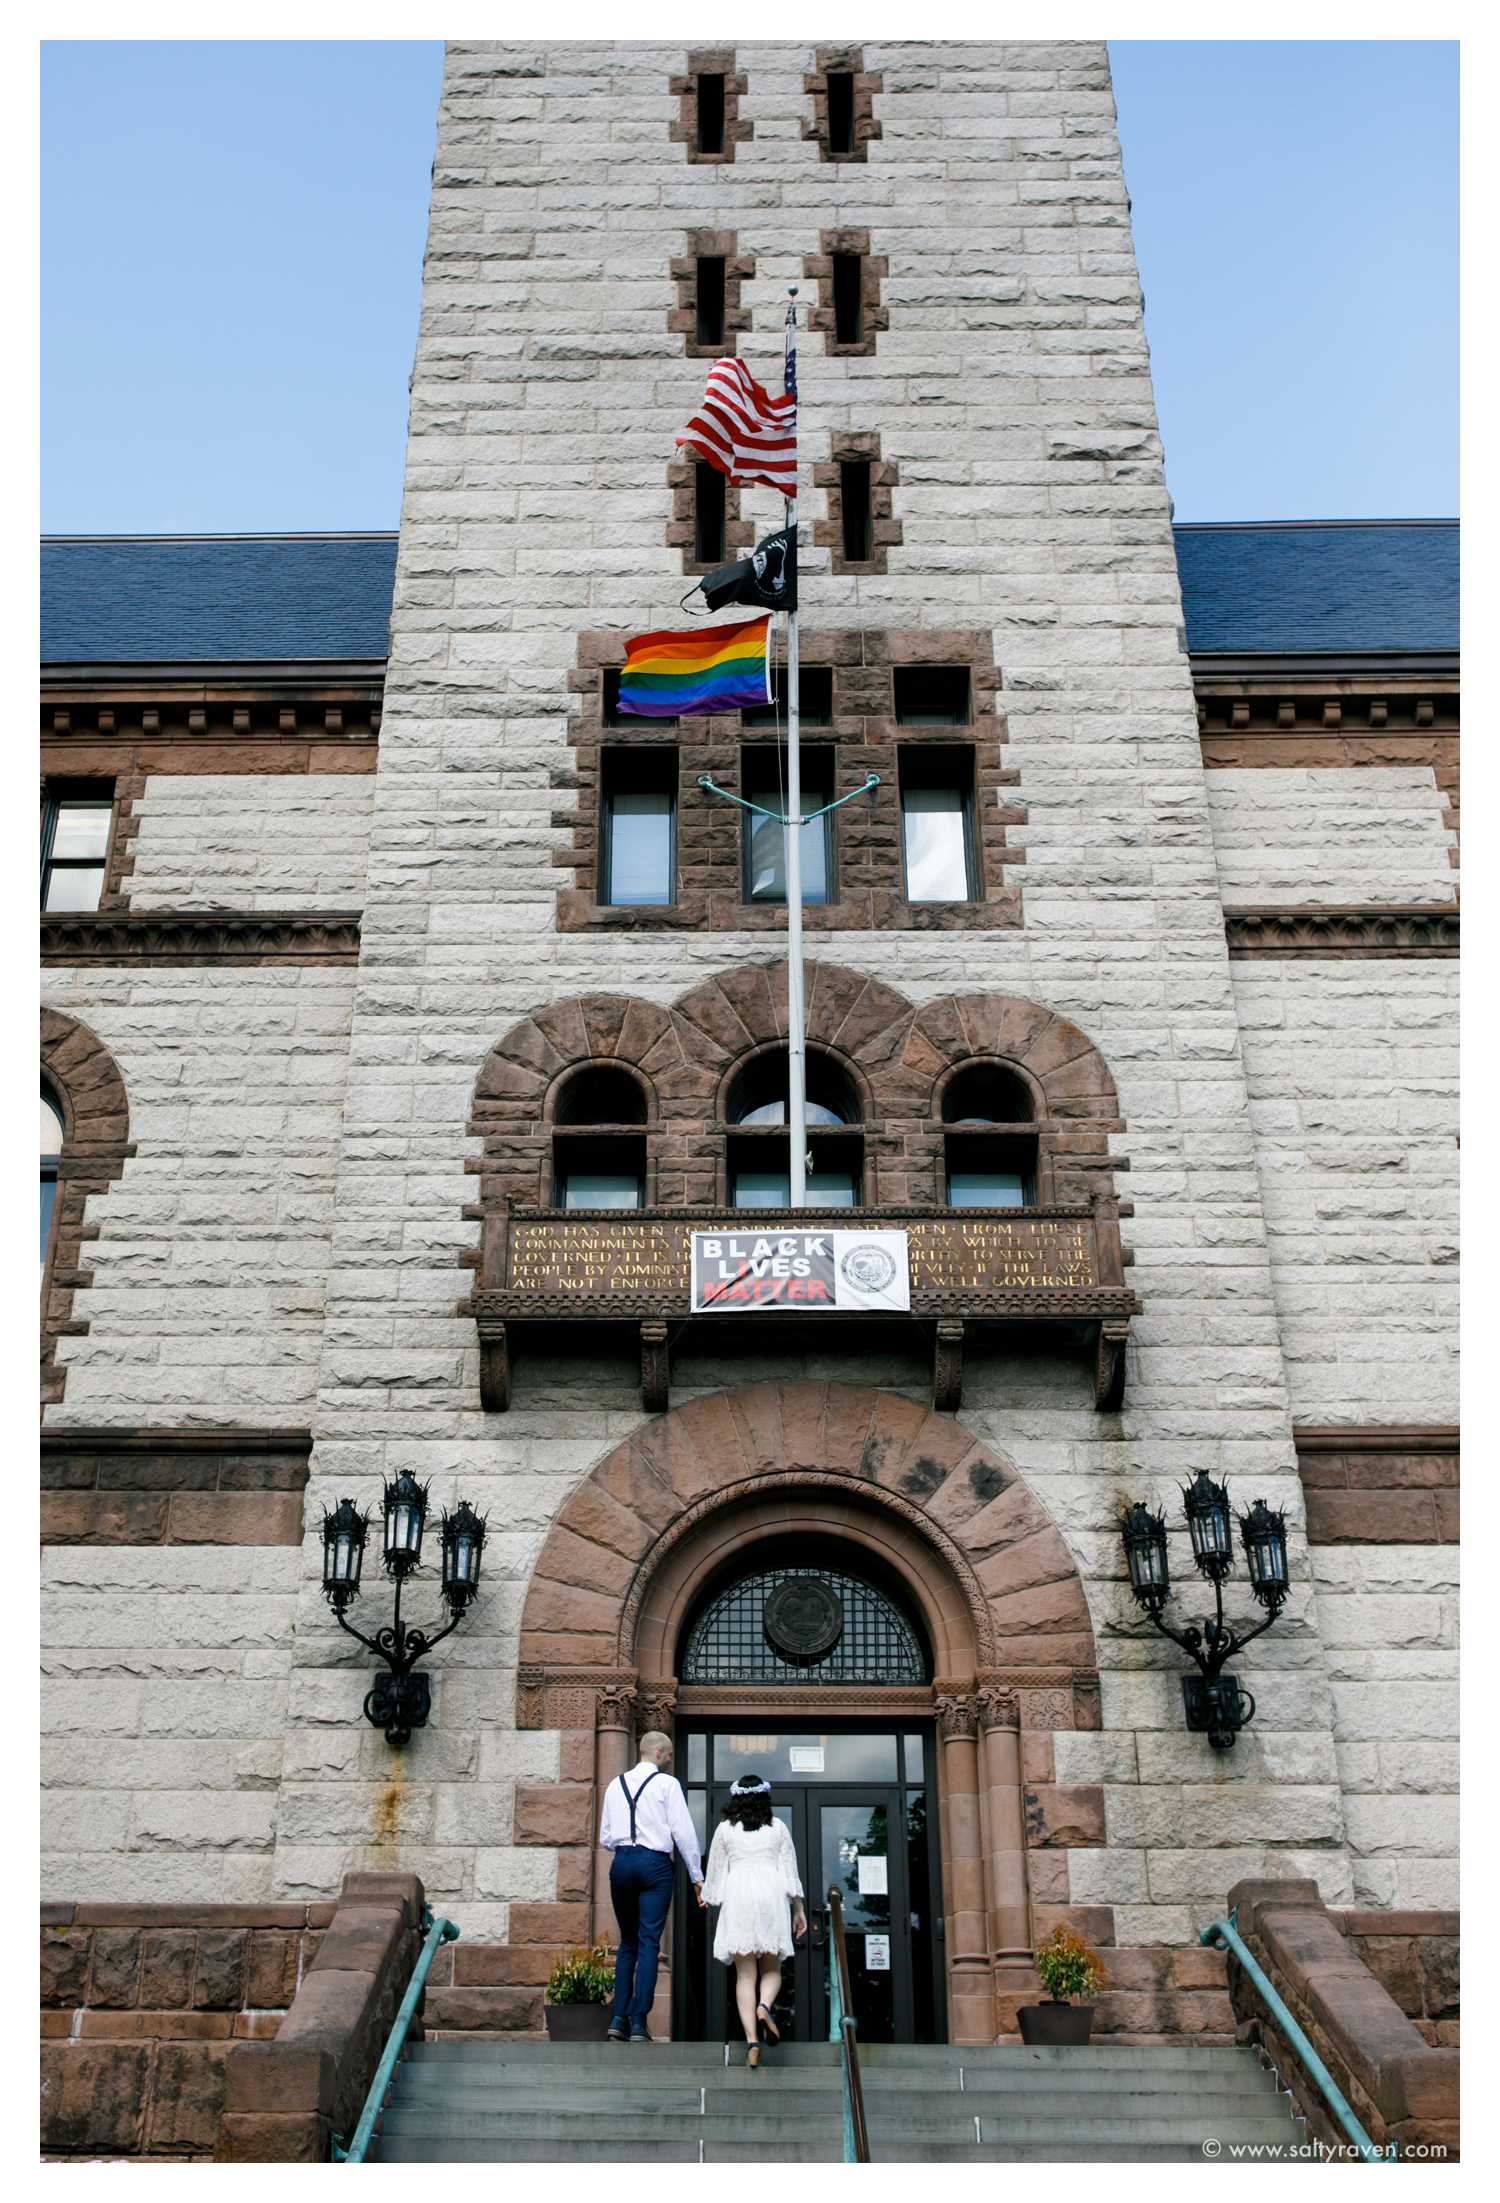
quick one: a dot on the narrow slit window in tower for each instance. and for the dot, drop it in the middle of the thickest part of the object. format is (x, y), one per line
(711, 298)
(854, 506)
(841, 111)
(708, 514)
(848, 307)
(711, 114)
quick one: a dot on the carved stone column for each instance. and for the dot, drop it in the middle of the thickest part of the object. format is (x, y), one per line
(1004, 1823)
(612, 1757)
(971, 2003)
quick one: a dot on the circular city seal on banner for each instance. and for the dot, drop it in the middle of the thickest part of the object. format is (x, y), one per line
(803, 1619)
(869, 1267)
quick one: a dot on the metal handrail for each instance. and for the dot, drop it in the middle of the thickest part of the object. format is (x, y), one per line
(843, 2028)
(437, 1933)
(1224, 1935)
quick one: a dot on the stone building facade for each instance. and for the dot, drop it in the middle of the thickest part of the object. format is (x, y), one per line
(312, 1052)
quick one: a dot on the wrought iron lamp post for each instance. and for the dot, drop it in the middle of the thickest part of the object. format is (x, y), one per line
(1216, 1704)
(402, 1695)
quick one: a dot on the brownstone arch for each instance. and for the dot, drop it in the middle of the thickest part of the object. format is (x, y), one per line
(983, 1562)
(83, 1081)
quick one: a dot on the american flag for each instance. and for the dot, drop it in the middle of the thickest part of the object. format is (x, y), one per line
(743, 431)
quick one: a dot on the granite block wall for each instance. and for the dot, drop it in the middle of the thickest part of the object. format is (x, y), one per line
(1332, 834)
(211, 1262)
(1353, 1080)
(251, 841)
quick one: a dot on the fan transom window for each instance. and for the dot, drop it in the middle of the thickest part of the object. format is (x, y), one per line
(751, 1632)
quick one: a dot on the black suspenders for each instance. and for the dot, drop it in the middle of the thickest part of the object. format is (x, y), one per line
(633, 1802)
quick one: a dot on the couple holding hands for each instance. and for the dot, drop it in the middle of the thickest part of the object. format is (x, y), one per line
(752, 1878)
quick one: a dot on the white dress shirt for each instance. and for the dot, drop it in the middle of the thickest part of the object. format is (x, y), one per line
(661, 1817)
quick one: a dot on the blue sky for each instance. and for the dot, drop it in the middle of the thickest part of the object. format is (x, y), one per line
(232, 246)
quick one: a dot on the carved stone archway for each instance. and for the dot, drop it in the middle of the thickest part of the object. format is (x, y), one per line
(982, 1560)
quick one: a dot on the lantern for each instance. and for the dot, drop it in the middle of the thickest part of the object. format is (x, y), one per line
(1206, 1505)
(463, 1542)
(1145, 1539)
(405, 1516)
(1263, 1530)
(344, 1533)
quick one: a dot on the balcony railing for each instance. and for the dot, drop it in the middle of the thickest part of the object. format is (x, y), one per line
(968, 1268)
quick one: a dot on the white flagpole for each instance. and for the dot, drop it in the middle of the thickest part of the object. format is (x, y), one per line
(795, 1010)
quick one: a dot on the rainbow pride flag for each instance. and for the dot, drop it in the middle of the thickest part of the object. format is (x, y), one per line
(697, 669)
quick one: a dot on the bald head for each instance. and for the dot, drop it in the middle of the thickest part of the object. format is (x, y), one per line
(656, 1746)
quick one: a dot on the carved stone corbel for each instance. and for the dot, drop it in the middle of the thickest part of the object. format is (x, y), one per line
(655, 1369)
(613, 1705)
(1109, 1367)
(494, 1369)
(948, 1365)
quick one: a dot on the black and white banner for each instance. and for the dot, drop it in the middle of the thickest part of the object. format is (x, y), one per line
(739, 1270)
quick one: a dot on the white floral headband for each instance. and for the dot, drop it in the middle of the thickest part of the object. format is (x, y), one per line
(750, 1786)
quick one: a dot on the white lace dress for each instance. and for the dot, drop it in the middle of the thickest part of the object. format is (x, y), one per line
(751, 1877)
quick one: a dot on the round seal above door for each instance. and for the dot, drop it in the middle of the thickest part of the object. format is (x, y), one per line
(804, 1619)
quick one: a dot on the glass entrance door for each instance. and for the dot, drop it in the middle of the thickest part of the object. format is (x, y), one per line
(856, 1802)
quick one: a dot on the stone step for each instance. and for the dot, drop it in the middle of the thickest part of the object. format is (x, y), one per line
(709, 2149)
(621, 2125)
(1000, 2057)
(728, 2090)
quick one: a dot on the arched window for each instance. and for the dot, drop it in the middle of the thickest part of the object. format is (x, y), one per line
(598, 1162)
(52, 1146)
(988, 1162)
(800, 1618)
(759, 1159)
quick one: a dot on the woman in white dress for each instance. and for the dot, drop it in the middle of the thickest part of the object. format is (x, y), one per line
(752, 1878)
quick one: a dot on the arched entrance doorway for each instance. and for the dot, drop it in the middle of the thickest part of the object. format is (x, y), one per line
(798, 1628)
(664, 1557)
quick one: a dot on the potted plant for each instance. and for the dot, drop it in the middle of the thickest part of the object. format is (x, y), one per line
(1067, 1967)
(580, 1993)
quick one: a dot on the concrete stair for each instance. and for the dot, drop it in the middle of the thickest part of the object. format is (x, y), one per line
(525, 2102)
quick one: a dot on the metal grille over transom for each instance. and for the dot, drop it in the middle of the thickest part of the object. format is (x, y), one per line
(754, 1632)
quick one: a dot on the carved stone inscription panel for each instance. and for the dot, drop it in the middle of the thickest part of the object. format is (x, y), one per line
(983, 1251)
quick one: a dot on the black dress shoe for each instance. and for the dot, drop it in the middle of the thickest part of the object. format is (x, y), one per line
(617, 2031)
(640, 2032)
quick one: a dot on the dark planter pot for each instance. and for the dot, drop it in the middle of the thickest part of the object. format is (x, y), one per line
(577, 2022)
(1053, 2024)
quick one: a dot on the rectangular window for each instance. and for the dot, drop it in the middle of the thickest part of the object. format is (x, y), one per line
(640, 829)
(814, 699)
(760, 1173)
(711, 114)
(763, 781)
(612, 714)
(987, 1173)
(937, 826)
(932, 695)
(840, 111)
(75, 841)
(854, 508)
(848, 304)
(708, 515)
(710, 292)
(598, 1173)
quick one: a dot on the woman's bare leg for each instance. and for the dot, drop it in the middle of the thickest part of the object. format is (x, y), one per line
(746, 1969)
(768, 1966)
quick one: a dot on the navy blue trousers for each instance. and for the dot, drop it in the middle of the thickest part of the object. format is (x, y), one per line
(640, 1889)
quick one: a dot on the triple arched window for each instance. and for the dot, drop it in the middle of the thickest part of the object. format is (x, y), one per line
(986, 1136)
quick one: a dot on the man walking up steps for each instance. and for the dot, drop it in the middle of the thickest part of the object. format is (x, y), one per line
(645, 1815)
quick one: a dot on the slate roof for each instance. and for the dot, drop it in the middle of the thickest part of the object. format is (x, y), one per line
(1343, 586)
(1274, 587)
(109, 600)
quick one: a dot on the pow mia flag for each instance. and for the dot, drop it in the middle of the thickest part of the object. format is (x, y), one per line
(768, 577)
(736, 1271)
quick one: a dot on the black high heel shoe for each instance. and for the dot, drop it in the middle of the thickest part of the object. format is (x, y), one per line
(767, 2025)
